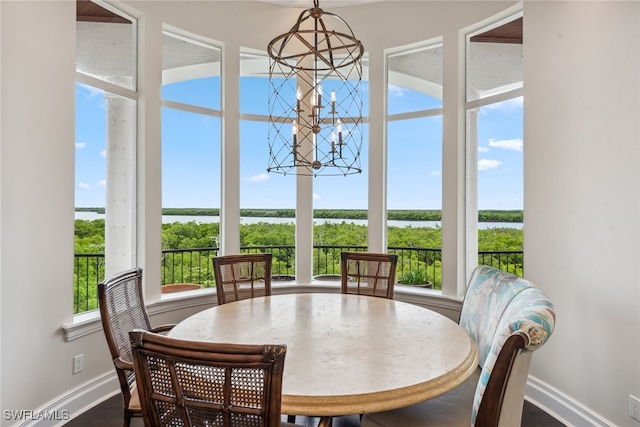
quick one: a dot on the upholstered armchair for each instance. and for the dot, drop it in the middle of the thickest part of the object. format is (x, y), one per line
(509, 318)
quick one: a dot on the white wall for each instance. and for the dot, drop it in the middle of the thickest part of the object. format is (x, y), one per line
(37, 174)
(581, 180)
(582, 187)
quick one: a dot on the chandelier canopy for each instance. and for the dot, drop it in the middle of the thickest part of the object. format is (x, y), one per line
(315, 100)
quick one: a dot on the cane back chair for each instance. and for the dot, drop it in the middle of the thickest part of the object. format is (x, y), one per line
(189, 383)
(122, 309)
(367, 273)
(242, 276)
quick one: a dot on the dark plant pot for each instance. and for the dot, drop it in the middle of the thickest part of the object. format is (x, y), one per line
(328, 277)
(282, 278)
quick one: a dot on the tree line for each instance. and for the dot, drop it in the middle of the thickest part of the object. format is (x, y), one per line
(394, 214)
(89, 236)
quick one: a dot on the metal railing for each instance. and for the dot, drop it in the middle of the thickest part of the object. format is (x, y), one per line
(416, 266)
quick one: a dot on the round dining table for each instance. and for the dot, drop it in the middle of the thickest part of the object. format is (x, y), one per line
(346, 354)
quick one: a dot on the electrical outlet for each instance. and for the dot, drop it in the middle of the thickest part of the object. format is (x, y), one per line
(78, 363)
(634, 407)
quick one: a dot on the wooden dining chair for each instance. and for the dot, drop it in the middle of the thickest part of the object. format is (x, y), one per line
(195, 383)
(242, 276)
(368, 273)
(509, 318)
(122, 309)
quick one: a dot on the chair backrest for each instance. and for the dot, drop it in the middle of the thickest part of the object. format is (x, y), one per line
(242, 276)
(509, 318)
(187, 383)
(367, 273)
(121, 310)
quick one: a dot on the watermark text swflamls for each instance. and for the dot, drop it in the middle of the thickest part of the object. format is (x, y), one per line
(31, 415)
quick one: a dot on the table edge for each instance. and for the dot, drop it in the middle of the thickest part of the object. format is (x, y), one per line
(383, 400)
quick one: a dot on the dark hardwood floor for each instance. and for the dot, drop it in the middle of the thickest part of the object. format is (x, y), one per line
(109, 413)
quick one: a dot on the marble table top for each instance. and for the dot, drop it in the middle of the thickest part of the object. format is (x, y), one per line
(346, 354)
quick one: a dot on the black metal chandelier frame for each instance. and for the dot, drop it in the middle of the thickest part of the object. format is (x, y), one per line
(308, 134)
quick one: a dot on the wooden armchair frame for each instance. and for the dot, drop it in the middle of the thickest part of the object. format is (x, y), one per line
(122, 309)
(368, 273)
(242, 276)
(201, 383)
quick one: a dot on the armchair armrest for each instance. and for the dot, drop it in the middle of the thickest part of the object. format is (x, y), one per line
(163, 328)
(123, 364)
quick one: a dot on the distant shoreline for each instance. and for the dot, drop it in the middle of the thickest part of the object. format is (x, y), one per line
(393, 214)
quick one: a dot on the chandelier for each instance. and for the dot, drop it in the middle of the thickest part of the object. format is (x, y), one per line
(315, 99)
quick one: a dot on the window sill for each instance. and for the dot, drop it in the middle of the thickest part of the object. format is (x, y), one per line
(88, 323)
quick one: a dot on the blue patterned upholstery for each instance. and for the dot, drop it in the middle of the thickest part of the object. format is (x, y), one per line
(496, 305)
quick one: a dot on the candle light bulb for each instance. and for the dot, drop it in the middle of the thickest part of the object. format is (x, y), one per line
(298, 94)
(339, 126)
(333, 96)
(294, 137)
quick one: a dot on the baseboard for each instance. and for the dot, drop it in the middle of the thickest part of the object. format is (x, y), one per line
(561, 407)
(71, 405)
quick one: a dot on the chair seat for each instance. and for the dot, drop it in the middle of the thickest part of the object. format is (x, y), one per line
(134, 402)
(451, 409)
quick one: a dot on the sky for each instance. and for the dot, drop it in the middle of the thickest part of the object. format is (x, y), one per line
(191, 154)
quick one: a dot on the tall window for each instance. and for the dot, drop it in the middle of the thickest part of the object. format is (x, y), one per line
(191, 154)
(271, 193)
(349, 196)
(495, 140)
(105, 147)
(414, 161)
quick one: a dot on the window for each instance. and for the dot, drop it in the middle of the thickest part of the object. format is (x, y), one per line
(105, 148)
(495, 141)
(191, 154)
(414, 162)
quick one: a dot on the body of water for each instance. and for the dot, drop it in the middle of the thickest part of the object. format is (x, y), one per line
(168, 219)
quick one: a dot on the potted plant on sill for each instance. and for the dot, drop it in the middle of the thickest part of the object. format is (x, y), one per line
(415, 278)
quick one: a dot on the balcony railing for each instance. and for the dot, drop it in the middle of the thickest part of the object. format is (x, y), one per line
(416, 266)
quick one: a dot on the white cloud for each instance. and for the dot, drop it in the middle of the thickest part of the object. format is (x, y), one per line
(507, 144)
(483, 149)
(316, 196)
(484, 164)
(83, 186)
(435, 173)
(396, 90)
(258, 178)
(102, 184)
(103, 153)
(80, 145)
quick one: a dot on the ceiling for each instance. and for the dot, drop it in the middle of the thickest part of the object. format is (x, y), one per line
(305, 4)
(495, 57)
(510, 32)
